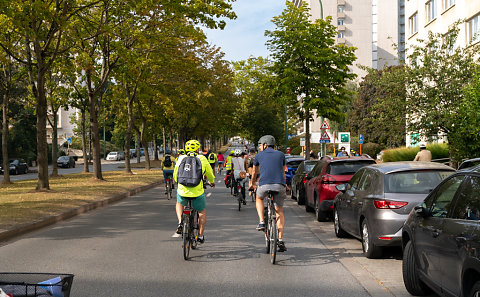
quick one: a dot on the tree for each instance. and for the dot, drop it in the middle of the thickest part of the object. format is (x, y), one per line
(436, 77)
(259, 113)
(309, 65)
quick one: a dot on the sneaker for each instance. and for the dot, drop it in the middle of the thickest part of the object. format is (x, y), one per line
(179, 229)
(201, 240)
(244, 202)
(281, 246)
(261, 227)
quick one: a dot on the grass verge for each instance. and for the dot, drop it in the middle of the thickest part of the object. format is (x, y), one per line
(20, 203)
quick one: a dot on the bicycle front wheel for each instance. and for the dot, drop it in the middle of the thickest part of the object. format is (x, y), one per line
(169, 191)
(186, 240)
(273, 240)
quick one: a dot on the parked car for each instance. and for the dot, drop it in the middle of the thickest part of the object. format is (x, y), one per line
(133, 153)
(16, 166)
(321, 181)
(116, 156)
(66, 161)
(374, 205)
(469, 163)
(441, 239)
(292, 165)
(299, 180)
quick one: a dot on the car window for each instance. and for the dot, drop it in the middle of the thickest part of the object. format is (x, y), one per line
(348, 167)
(356, 179)
(414, 182)
(300, 167)
(14, 162)
(468, 204)
(441, 202)
(367, 180)
(294, 163)
(317, 169)
(309, 167)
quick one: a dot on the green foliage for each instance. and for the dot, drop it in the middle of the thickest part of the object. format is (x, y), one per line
(371, 149)
(439, 151)
(464, 138)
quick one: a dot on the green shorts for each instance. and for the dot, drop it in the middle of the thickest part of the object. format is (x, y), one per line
(199, 203)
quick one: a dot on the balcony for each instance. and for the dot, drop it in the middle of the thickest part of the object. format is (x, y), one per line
(340, 2)
(341, 40)
(341, 28)
(341, 15)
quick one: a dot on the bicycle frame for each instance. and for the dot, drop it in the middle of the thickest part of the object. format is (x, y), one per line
(190, 229)
(271, 232)
(169, 188)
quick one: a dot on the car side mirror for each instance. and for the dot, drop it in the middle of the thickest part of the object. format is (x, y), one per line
(342, 187)
(421, 211)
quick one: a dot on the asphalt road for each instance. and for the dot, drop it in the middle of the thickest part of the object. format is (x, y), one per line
(128, 249)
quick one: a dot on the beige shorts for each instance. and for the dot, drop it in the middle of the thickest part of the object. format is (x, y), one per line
(278, 198)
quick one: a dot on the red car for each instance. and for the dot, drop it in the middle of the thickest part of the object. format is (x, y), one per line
(321, 181)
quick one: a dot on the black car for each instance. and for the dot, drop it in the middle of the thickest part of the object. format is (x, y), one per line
(299, 180)
(17, 166)
(469, 163)
(441, 239)
(66, 161)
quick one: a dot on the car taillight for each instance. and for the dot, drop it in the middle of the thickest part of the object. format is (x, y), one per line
(327, 179)
(386, 204)
(304, 179)
(186, 211)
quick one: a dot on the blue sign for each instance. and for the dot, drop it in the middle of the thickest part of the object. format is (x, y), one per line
(69, 140)
(360, 139)
(290, 136)
(324, 140)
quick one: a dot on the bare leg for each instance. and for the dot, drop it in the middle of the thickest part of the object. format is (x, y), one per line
(179, 210)
(280, 221)
(202, 221)
(260, 208)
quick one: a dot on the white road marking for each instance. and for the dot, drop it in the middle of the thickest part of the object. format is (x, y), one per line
(209, 194)
(176, 235)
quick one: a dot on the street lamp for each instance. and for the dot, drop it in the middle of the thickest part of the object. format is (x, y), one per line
(321, 9)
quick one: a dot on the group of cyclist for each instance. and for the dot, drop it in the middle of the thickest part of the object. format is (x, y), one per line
(265, 173)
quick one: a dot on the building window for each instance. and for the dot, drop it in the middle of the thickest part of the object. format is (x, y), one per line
(340, 22)
(447, 4)
(431, 8)
(340, 8)
(341, 34)
(413, 24)
(473, 28)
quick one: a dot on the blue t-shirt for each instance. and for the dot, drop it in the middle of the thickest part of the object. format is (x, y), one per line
(272, 164)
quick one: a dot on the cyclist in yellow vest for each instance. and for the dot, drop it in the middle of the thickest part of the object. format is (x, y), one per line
(228, 167)
(212, 159)
(192, 148)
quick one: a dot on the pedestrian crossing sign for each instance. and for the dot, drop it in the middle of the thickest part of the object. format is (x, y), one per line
(325, 136)
(325, 126)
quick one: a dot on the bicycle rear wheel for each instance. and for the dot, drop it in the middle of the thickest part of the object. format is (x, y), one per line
(273, 239)
(195, 230)
(267, 233)
(169, 191)
(186, 239)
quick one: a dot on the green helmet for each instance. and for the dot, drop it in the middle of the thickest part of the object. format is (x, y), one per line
(267, 139)
(232, 152)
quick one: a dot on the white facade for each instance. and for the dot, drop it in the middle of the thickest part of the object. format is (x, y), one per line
(65, 126)
(437, 16)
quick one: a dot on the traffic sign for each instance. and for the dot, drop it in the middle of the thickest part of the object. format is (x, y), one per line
(360, 139)
(344, 137)
(325, 136)
(302, 141)
(290, 136)
(325, 126)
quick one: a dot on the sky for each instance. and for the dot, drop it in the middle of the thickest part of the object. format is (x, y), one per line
(244, 36)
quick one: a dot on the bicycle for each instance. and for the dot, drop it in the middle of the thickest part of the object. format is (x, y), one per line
(36, 284)
(253, 194)
(190, 229)
(271, 232)
(240, 193)
(169, 188)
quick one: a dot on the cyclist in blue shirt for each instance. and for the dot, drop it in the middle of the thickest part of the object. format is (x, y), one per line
(272, 178)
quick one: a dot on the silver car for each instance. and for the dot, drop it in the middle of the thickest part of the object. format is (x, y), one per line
(374, 205)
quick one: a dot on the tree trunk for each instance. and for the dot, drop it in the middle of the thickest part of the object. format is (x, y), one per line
(307, 134)
(128, 134)
(6, 172)
(84, 143)
(42, 147)
(138, 146)
(145, 144)
(54, 144)
(97, 165)
(155, 150)
(164, 142)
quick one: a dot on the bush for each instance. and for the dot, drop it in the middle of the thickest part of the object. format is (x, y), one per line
(439, 151)
(371, 149)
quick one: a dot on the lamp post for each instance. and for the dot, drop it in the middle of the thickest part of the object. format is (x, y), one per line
(321, 9)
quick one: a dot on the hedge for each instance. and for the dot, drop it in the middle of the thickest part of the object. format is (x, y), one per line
(439, 151)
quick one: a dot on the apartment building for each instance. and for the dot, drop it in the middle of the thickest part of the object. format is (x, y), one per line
(437, 16)
(375, 27)
(65, 126)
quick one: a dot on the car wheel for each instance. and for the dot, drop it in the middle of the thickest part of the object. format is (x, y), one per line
(339, 232)
(475, 291)
(16, 171)
(26, 170)
(301, 197)
(411, 279)
(73, 165)
(293, 193)
(370, 250)
(308, 208)
(320, 215)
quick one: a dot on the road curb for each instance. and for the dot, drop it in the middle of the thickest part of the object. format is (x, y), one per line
(50, 220)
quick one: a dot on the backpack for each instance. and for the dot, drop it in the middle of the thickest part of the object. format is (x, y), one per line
(190, 171)
(167, 162)
(211, 157)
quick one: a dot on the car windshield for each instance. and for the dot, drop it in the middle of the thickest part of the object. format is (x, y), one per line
(347, 167)
(309, 166)
(64, 158)
(414, 182)
(468, 164)
(113, 153)
(294, 163)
